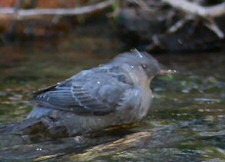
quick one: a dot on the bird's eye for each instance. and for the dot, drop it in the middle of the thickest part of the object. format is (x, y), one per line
(144, 66)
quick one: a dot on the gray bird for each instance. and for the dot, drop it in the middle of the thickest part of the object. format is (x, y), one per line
(112, 94)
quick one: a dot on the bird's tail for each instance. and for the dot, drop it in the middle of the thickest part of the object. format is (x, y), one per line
(24, 127)
(36, 129)
(36, 120)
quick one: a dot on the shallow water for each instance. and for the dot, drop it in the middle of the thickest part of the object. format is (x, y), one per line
(187, 122)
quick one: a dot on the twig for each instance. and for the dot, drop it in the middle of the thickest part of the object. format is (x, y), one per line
(211, 24)
(23, 13)
(18, 5)
(142, 4)
(193, 8)
(179, 24)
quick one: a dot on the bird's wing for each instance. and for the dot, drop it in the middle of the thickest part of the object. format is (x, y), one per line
(84, 95)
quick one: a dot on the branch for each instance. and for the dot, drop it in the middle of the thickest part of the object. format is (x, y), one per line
(23, 13)
(207, 13)
(193, 8)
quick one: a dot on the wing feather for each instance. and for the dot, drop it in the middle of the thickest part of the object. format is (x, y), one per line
(79, 93)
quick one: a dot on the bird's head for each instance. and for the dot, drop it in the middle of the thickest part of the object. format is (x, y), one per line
(141, 60)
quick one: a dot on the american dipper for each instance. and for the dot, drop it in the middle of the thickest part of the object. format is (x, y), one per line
(112, 94)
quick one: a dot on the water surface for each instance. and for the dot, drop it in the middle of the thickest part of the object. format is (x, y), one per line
(187, 121)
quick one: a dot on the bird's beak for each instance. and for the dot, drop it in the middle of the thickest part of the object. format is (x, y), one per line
(165, 72)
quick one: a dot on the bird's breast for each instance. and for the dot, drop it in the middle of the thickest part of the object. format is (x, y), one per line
(146, 98)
